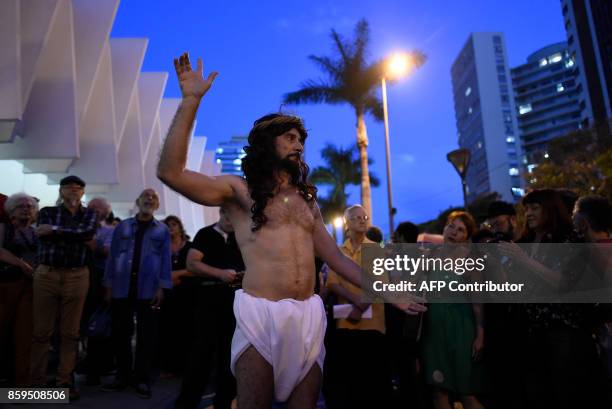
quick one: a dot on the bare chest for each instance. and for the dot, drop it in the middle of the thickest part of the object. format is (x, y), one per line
(289, 209)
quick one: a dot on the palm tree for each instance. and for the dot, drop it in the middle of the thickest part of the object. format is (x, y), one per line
(352, 81)
(341, 169)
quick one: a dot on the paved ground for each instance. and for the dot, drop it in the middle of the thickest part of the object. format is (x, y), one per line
(164, 393)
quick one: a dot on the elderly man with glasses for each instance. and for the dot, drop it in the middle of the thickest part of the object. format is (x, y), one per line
(359, 341)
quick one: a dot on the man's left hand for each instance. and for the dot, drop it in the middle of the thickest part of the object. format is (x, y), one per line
(157, 299)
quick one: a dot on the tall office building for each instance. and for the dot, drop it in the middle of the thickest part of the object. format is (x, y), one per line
(547, 99)
(484, 111)
(229, 154)
(588, 24)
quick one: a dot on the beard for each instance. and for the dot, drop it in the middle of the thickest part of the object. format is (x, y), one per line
(147, 210)
(292, 167)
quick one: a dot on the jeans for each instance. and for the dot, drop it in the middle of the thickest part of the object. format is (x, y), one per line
(122, 315)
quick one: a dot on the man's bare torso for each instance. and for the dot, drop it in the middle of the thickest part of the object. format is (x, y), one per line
(279, 257)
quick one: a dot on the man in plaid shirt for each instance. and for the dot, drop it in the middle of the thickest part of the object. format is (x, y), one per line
(61, 280)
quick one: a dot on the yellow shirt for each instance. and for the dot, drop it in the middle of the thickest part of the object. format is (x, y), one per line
(377, 322)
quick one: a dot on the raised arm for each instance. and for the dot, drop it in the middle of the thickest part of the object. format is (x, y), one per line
(206, 190)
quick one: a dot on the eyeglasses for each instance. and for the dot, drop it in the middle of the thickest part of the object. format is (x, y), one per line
(364, 218)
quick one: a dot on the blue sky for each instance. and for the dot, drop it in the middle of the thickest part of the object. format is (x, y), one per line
(260, 49)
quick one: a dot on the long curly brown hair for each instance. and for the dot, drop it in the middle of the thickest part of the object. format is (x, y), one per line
(262, 164)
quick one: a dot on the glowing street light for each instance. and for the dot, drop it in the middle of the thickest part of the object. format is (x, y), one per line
(398, 65)
(337, 224)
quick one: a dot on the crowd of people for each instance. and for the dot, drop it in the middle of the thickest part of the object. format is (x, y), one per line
(76, 281)
(265, 309)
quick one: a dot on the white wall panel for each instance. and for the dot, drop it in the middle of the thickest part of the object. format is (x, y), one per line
(10, 76)
(93, 21)
(80, 105)
(126, 56)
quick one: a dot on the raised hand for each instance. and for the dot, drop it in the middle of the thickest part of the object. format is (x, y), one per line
(192, 82)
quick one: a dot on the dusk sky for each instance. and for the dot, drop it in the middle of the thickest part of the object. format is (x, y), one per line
(260, 49)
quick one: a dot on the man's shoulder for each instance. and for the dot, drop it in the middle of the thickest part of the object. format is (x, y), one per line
(124, 225)
(205, 238)
(88, 215)
(206, 229)
(205, 232)
(158, 223)
(126, 222)
(48, 209)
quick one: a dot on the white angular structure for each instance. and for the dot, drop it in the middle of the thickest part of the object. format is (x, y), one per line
(75, 101)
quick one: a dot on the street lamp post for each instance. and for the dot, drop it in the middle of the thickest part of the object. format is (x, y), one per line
(460, 158)
(388, 154)
(397, 66)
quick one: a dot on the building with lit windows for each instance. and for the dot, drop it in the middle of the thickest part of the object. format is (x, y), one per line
(485, 117)
(547, 99)
(229, 155)
(588, 24)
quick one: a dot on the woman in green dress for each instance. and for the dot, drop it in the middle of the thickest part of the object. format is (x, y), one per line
(453, 334)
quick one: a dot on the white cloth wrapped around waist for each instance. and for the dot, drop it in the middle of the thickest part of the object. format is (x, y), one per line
(287, 333)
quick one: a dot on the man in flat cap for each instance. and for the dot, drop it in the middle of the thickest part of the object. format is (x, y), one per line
(61, 280)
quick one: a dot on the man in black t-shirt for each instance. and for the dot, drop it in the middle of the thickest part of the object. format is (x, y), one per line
(217, 265)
